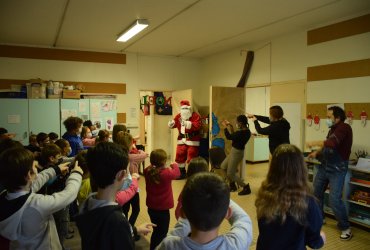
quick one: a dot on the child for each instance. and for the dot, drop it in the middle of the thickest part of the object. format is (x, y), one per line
(126, 140)
(288, 215)
(239, 138)
(50, 157)
(73, 127)
(26, 217)
(103, 136)
(33, 146)
(66, 150)
(42, 139)
(53, 137)
(159, 198)
(101, 223)
(86, 137)
(85, 188)
(196, 165)
(206, 203)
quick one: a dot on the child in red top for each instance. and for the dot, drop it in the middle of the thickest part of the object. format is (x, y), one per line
(196, 165)
(159, 198)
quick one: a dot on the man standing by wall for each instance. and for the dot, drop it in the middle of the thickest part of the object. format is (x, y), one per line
(334, 154)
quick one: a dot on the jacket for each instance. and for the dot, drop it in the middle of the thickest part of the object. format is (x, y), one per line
(102, 225)
(278, 131)
(26, 218)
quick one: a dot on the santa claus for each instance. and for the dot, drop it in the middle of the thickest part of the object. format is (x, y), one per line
(189, 124)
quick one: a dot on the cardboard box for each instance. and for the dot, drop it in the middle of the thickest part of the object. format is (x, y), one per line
(71, 94)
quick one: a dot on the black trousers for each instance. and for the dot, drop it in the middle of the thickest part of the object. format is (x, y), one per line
(135, 204)
(162, 219)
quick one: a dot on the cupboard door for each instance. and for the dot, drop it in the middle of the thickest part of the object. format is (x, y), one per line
(44, 116)
(14, 118)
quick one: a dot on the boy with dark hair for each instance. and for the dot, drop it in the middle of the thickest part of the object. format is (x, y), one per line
(206, 202)
(42, 139)
(73, 126)
(101, 222)
(26, 217)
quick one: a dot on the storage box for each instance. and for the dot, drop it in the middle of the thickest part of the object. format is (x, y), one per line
(71, 94)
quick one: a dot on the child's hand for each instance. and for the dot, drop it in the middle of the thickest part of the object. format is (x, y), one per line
(77, 168)
(135, 176)
(145, 228)
(64, 168)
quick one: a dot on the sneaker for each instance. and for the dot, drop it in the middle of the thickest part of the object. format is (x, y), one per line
(246, 190)
(346, 235)
(233, 187)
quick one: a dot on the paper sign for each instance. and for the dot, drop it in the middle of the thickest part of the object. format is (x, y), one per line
(81, 106)
(68, 112)
(133, 113)
(109, 124)
(95, 109)
(363, 163)
(14, 119)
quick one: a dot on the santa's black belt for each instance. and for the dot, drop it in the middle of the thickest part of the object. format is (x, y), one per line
(188, 135)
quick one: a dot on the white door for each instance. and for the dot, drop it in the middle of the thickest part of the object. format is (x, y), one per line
(178, 96)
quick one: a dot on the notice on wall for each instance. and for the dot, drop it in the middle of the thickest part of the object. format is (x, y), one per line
(95, 109)
(133, 113)
(68, 112)
(109, 124)
(14, 119)
(81, 106)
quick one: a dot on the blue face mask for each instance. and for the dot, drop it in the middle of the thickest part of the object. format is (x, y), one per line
(329, 122)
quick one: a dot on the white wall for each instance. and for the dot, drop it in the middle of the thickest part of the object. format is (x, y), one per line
(139, 73)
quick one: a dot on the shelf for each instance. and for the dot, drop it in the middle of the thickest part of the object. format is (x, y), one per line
(359, 184)
(365, 223)
(359, 203)
(359, 170)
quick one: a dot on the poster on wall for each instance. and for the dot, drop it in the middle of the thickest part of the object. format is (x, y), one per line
(162, 105)
(67, 113)
(109, 124)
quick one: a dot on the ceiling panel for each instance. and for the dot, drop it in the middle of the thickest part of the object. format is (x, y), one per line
(192, 28)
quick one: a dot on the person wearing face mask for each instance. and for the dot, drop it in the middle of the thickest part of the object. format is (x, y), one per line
(239, 139)
(66, 150)
(278, 129)
(333, 154)
(51, 157)
(73, 127)
(87, 138)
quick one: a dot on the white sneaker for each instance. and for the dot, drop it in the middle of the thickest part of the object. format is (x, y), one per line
(346, 234)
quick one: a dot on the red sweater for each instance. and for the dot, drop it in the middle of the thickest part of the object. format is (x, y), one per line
(160, 196)
(340, 138)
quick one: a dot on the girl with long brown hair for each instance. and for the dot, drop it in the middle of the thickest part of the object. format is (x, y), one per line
(288, 214)
(159, 196)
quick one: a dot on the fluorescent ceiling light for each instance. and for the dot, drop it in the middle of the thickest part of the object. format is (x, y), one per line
(135, 28)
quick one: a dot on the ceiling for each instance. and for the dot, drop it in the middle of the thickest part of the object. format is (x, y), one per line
(184, 28)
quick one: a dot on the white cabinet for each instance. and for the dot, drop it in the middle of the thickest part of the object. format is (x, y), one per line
(257, 149)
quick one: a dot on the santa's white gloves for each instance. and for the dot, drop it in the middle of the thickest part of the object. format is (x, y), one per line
(171, 124)
(187, 124)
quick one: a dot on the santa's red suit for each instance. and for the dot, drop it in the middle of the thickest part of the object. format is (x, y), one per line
(188, 124)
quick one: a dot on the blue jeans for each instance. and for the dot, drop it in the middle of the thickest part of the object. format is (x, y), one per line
(334, 176)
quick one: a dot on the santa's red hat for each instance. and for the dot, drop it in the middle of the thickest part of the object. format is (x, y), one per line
(185, 103)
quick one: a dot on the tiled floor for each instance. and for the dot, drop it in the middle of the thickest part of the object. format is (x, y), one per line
(255, 175)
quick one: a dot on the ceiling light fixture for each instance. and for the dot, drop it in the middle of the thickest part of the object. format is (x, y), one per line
(135, 28)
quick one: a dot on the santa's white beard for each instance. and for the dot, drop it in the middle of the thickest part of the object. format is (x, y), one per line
(185, 114)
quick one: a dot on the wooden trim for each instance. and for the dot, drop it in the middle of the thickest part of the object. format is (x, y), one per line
(87, 87)
(339, 70)
(121, 117)
(346, 28)
(61, 54)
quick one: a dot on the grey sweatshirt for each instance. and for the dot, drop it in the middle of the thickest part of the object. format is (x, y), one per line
(239, 237)
(31, 225)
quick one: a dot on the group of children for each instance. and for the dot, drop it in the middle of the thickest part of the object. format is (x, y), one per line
(104, 179)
